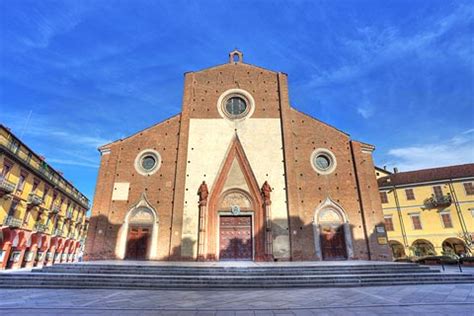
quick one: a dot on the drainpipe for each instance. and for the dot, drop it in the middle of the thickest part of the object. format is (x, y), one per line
(458, 209)
(400, 217)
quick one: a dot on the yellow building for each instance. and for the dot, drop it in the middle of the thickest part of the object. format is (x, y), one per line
(430, 211)
(42, 215)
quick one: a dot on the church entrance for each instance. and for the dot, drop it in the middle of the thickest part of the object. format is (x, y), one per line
(137, 243)
(332, 233)
(235, 238)
(333, 245)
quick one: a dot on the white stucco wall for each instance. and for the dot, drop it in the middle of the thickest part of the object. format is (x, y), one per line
(209, 140)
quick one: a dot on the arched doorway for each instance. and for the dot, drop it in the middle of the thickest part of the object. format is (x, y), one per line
(333, 246)
(332, 235)
(422, 248)
(140, 226)
(138, 235)
(236, 217)
(454, 246)
(398, 251)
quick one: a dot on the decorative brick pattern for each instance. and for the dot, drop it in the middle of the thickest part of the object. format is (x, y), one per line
(352, 185)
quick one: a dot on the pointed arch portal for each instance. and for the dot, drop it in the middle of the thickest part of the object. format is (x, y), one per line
(235, 227)
(332, 233)
(139, 232)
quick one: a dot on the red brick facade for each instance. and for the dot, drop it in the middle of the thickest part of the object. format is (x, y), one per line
(351, 187)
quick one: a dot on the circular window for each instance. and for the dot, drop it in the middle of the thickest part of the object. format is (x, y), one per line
(323, 161)
(147, 162)
(235, 104)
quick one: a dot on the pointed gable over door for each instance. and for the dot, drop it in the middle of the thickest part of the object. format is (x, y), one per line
(236, 177)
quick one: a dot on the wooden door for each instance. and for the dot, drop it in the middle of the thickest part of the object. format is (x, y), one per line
(332, 242)
(137, 243)
(235, 242)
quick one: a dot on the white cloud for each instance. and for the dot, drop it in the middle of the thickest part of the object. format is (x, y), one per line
(375, 47)
(72, 162)
(366, 110)
(457, 150)
(62, 145)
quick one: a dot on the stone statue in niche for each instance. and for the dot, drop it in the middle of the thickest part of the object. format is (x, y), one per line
(203, 193)
(266, 190)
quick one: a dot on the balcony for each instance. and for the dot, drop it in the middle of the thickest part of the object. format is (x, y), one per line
(13, 222)
(58, 232)
(34, 200)
(437, 201)
(55, 208)
(41, 228)
(6, 187)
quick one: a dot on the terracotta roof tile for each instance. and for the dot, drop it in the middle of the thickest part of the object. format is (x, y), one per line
(426, 175)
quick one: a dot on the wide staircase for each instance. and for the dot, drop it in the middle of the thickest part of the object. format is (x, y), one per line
(179, 276)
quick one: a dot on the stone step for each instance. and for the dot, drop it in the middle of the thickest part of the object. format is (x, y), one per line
(158, 269)
(237, 267)
(146, 276)
(120, 278)
(153, 284)
(231, 272)
(95, 266)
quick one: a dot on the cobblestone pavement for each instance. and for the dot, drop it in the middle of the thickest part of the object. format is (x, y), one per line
(454, 299)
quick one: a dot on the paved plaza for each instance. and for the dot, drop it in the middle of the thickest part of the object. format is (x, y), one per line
(447, 299)
(453, 299)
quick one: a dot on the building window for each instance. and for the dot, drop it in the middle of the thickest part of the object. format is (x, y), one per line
(6, 169)
(36, 183)
(45, 192)
(388, 223)
(147, 162)
(438, 192)
(323, 161)
(384, 197)
(13, 206)
(14, 146)
(235, 104)
(446, 218)
(416, 221)
(55, 196)
(469, 187)
(410, 194)
(21, 182)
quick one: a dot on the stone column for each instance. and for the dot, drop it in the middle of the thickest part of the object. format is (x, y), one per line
(267, 202)
(7, 249)
(202, 232)
(268, 232)
(348, 240)
(317, 241)
(203, 194)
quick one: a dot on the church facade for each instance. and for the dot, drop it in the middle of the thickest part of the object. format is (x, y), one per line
(239, 174)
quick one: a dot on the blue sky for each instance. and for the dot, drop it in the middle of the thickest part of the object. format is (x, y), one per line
(396, 74)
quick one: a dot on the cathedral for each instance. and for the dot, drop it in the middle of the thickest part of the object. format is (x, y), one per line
(239, 174)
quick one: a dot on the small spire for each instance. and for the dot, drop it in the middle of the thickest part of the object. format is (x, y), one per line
(236, 56)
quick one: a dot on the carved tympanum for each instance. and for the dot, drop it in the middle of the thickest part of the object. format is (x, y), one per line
(329, 216)
(235, 198)
(141, 216)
